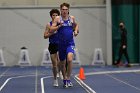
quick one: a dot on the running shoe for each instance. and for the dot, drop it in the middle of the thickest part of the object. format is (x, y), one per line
(55, 83)
(69, 83)
(65, 84)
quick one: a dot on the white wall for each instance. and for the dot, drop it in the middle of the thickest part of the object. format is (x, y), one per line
(25, 27)
(50, 2)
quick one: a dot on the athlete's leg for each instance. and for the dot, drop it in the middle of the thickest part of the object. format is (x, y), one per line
(53, 48)
(70, 52)
(63, 70)
(62, 57)
(54, 64)
(54, 68)
(59, 73)
(69, 62)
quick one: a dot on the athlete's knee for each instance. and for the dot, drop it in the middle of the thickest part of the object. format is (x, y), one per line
(70, 59)
(54, 67)
(54, 64)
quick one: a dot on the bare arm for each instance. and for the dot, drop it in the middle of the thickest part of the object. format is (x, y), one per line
(46, 33)
(76, 26)
(55, 25)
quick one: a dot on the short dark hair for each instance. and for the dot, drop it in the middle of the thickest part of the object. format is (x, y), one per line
(54, 11)
(65, 4)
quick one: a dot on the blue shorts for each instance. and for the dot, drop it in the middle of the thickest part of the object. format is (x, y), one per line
(64, 50)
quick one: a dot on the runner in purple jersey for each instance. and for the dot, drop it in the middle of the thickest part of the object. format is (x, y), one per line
(53, 45)
(66, 27)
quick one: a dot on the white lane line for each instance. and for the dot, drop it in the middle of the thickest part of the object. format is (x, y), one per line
(90, 90)
(112, 72)
(4, 84)
(12, 78)
(85, 86)
(123, 82)
(42, 83)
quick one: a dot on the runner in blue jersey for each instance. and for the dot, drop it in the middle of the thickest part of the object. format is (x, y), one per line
(53, 45)
(66, 27)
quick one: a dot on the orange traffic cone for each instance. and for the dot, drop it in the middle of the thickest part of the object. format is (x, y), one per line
(81, 74)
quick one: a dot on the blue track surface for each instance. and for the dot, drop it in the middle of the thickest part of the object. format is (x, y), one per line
(28, 80)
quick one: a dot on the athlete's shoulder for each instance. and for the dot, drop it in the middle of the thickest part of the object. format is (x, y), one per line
(72, 17)
(48, 24)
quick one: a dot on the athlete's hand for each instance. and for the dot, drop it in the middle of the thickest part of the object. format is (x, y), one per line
(47, 34)
(61, 23)
(75, 33)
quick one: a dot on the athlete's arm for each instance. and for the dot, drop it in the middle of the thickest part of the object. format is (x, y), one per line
(76, 26)
(55, 25)
(46, 33)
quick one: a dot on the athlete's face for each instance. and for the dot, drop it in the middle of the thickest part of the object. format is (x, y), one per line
(54, 15)
(64, 11)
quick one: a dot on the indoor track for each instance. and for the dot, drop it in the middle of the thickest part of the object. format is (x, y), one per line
(107, 79)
